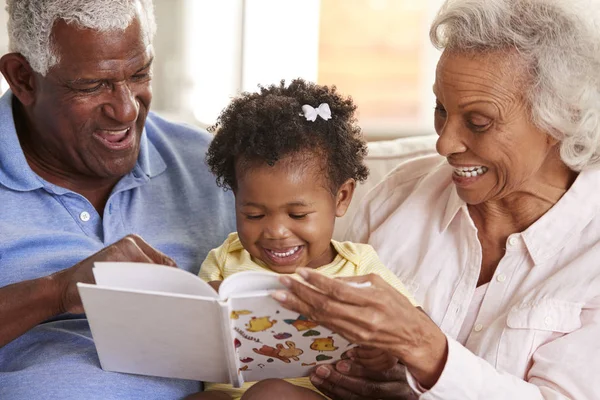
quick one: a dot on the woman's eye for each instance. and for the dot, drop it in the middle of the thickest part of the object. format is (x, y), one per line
(298, 216)
(478, 127)
(254, 216)
(440, 110)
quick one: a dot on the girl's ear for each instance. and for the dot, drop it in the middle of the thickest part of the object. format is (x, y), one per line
(343, 197)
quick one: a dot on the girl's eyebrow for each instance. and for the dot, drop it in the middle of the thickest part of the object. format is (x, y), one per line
(298, 203)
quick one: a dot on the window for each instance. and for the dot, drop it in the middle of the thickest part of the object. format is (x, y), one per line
(377, 51)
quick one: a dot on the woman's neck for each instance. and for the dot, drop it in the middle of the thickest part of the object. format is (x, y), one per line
(519, 210)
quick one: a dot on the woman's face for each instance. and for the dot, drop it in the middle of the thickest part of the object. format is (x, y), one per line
(484, 127)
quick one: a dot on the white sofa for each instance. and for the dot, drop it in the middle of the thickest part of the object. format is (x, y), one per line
(382, 158)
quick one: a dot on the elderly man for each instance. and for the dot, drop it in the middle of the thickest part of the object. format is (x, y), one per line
(84, 167)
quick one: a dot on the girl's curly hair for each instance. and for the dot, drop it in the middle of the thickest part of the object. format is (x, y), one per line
(269, 125)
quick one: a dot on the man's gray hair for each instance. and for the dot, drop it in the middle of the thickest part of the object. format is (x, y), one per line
(560, 42)
(30, 23)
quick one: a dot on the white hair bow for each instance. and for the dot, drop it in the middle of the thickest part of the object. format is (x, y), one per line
(323, 111)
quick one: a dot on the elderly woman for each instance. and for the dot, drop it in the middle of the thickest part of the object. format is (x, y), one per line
(499, 238)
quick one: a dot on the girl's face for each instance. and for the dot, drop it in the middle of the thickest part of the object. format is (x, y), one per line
(286, 212)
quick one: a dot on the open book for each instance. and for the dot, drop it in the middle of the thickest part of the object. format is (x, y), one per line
(162, 321)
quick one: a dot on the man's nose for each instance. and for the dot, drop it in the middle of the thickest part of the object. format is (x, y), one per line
(122, 105)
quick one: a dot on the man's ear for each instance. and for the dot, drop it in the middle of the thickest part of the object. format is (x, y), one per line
(343, 197)
(20, 77)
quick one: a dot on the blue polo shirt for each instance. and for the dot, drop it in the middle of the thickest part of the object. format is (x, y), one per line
(170, 199)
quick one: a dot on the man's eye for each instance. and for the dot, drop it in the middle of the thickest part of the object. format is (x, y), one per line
(254, 216)
(298, 216)
(91, 89)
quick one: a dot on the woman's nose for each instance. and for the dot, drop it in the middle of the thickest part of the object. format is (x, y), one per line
(451, 140)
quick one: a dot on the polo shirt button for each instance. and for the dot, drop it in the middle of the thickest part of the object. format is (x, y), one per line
(84, 216)
(501, 278)
(478, 328)
(513, 240)
(548, 320)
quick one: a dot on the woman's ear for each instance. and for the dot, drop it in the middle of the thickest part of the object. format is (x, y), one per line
(20, 77)
(343, 197)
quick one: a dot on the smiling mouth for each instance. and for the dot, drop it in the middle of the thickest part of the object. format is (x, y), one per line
(113, 136)
(287, 256)
(284, 254)
(121, 139)
(470, 172)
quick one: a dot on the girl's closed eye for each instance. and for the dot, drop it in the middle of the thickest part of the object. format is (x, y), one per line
(298, 215)
(254, 216)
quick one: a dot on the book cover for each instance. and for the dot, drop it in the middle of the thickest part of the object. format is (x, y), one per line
(163, 321)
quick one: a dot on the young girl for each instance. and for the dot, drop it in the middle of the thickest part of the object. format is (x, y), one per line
(292, 156)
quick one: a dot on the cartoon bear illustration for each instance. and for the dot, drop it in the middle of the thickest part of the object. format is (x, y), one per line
(259, 324)
(323, 344)
(280, 352)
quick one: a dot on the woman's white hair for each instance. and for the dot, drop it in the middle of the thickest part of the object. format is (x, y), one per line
(560, 42)
(30, 23)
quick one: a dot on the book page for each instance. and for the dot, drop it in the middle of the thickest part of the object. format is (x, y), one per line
(272, 342)
(150, 277)
(249, 282)
(150, 333)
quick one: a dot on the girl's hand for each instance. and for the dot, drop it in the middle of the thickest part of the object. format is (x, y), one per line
(376, 316)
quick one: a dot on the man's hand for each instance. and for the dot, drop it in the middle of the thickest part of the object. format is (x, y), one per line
(347, 380)
(372, 358)
(131, 248)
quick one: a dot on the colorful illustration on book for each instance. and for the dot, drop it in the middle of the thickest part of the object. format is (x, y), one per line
(311, 332)
(282, 335)
(301, 323)
(236, 314)
(323, 357)
(246, 360)
(270, 360)
(323, 344)
(243, 368)
(280, 352)
(245, 335)
(260, 324)
(236, 343)
(309, 364)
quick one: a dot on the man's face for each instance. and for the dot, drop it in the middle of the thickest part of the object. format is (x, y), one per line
(89, 110)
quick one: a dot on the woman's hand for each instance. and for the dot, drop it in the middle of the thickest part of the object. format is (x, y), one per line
(347, 380)
(377, 316)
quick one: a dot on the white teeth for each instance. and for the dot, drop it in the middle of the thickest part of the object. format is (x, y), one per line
(116, 132)
(287, 253)
(469, 172)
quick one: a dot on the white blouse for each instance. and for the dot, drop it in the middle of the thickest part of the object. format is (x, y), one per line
(537, 332)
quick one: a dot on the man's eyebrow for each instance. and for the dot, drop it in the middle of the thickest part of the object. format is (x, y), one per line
(86, 81)
(83, 81)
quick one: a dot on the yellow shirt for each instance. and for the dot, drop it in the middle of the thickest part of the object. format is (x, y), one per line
(352, 259)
